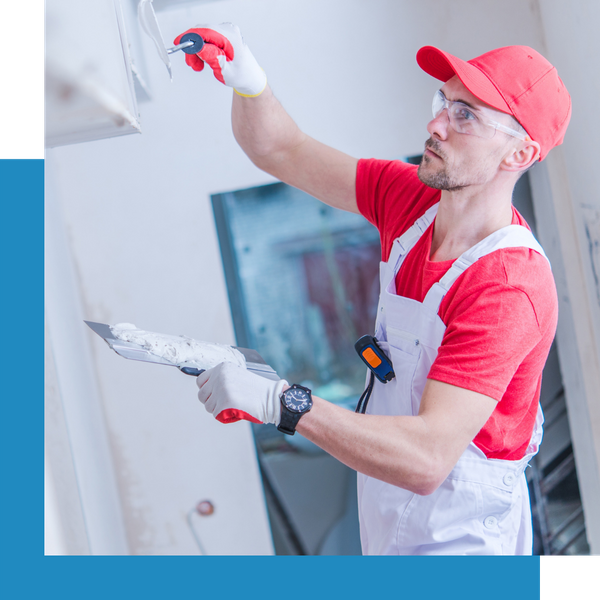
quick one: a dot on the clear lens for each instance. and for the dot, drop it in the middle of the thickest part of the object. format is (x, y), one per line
(438, 104)
(462, 118)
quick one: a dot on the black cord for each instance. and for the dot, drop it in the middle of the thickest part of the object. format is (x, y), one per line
(361, 407)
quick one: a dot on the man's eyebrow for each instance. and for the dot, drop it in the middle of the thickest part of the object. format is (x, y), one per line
(467, 103)
(461, 100)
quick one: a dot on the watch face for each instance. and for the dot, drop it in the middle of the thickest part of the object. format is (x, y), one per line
(297, 400)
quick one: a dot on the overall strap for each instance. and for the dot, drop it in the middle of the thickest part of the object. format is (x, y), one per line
(403, 244)
(513, 236)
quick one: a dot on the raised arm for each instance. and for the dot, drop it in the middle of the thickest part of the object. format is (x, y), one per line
(275, 144)
(264, 130)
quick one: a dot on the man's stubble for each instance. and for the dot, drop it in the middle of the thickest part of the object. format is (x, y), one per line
(440, 178)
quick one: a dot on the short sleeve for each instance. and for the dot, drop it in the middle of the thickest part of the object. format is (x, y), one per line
(495, 329)
(487, 341)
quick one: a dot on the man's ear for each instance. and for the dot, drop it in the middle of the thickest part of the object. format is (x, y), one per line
(522, 156)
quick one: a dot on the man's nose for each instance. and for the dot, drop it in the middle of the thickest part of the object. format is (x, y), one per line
(438, 126)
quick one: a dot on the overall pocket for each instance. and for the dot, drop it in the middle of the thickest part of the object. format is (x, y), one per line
(445, 522)
(405, 352)
(381, 509)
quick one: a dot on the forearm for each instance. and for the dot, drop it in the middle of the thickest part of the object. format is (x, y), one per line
(396, 450)
(416, 453)
(264, 130)
(275, 144)
(412, 452)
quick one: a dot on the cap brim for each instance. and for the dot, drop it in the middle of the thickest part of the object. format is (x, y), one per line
(444, 66)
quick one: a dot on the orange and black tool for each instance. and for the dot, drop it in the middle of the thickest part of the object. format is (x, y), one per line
(374, 357)
(379, 365)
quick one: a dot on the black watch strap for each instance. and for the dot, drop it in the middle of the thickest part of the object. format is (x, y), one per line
(288, 421)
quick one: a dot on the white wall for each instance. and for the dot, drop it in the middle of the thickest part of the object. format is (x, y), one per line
(79, 468)
(141, 227)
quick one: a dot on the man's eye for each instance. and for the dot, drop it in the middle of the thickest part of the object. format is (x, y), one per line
(466, 114)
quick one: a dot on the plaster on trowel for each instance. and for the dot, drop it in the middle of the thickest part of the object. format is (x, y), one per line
(191, 43)
(254, 361)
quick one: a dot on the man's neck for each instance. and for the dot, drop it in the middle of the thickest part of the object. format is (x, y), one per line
(467, 216)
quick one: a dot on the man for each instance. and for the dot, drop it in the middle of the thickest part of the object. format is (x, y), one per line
(467, 310)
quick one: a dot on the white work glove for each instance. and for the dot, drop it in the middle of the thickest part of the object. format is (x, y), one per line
(231, 393)
(228, 56)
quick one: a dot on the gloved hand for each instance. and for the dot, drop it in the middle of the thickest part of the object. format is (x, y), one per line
(228, 56)
(231, 393)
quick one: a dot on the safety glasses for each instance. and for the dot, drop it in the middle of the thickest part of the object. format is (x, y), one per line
(464, 119)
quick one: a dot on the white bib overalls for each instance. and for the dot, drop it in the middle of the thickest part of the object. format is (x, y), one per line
(483, 505)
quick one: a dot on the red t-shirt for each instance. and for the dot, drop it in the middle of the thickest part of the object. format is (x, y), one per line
(500, 314)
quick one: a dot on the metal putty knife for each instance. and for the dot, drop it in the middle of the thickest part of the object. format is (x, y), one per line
(254, 361)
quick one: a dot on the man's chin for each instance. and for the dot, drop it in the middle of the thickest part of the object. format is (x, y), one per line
(427, 177)
(438, 180)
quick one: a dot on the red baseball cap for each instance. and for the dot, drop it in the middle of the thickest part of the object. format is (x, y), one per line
(516, 80)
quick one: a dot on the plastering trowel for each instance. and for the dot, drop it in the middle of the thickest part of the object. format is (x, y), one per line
(254, 361)
(191, 43)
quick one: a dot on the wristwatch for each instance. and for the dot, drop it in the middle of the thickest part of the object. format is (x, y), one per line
(295, 402)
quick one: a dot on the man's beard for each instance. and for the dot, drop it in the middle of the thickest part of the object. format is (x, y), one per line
(441, 179)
